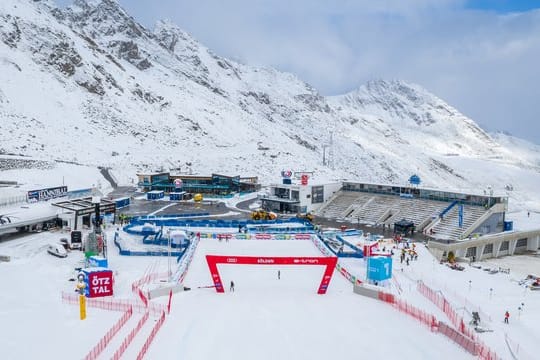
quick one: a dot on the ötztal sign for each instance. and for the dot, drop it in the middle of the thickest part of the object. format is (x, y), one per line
(100, 284)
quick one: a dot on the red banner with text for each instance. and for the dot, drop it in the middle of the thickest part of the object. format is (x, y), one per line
(214, 260)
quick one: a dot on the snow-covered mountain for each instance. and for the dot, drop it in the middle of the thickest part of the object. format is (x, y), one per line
(90, 85)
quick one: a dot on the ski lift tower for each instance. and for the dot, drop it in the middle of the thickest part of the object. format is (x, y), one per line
(329, 160)
(96, 200)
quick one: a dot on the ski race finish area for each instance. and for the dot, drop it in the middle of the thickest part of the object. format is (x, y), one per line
(214, 260)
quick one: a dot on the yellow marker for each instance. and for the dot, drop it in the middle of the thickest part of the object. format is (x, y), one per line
(82, 306)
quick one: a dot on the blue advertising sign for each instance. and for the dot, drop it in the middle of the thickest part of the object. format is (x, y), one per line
(379, 268)
(415, 180)
(47, 194)
(460, 215)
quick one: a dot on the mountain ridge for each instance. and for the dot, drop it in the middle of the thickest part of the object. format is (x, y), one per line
(106, 91)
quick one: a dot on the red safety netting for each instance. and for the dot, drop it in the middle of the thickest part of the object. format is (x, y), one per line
(112, 304)
(420, 315)
(106, 339)
(147, 307)
(436, 297)
(129, 338)
(135, 286)
(457, 337)
(150, 338)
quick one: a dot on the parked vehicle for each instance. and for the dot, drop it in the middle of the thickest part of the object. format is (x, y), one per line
(76, 240)
(57, 249)
(263, 215)
(65, 243)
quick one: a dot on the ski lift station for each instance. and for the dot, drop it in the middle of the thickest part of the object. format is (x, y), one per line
(214, 184)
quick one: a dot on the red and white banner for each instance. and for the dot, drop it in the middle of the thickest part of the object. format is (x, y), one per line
(169, 303)
(263, 236)
(214, 260)
(370, 249)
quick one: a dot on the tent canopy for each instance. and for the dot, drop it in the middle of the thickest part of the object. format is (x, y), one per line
(404, 227)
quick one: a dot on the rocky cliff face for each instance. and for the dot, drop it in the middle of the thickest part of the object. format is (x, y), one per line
(89, 84)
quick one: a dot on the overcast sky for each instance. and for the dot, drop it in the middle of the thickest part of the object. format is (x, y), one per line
(481, 56)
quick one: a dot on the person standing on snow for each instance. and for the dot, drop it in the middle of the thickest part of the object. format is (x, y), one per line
(279, 274)
(231, 288)
(506, 316)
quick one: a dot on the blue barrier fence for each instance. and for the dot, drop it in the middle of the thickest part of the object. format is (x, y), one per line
(158, 220)
(177, 253)
(354, 247)
(162, 242)
(358, 253)
(173, 221)
(153, 218)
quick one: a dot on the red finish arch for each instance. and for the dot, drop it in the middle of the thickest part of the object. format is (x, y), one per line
(214, 260)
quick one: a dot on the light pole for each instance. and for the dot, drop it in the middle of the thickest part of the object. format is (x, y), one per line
(169, 258)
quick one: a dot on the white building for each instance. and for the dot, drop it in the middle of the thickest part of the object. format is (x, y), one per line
(297, 198)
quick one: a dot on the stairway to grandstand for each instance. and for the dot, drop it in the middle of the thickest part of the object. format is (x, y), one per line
(370, 208)
(336, 208)
(389, 209)
(419, 211)
(374, 210)
(448, 227)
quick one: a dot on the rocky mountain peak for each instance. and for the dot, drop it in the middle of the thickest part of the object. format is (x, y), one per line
(104, 18)
(144, 98)
(410, 103)
(175, 39)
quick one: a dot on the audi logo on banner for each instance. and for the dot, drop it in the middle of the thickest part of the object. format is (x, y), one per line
(286, 174)
(329, 263)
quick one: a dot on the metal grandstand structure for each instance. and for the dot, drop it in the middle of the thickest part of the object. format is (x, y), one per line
(442, 215)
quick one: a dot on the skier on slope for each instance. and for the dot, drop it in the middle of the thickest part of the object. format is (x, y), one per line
(231, 288)
(506, 316)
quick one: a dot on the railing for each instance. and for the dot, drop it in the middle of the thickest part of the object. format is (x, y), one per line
(448, 208)
(185, 261)
(516, 351)
(480, 349)
(155, 309)
(129, 338)
(150, 338)
(440, 301)
(106, 339)
(425, 318)
(342, 270)
(457, 337)
(12, 200)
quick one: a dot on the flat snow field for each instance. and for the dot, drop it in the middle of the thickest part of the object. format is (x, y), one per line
(266, 317)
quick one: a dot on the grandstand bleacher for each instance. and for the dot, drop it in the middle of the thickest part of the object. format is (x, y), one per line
(378, 209)
(448, 227)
